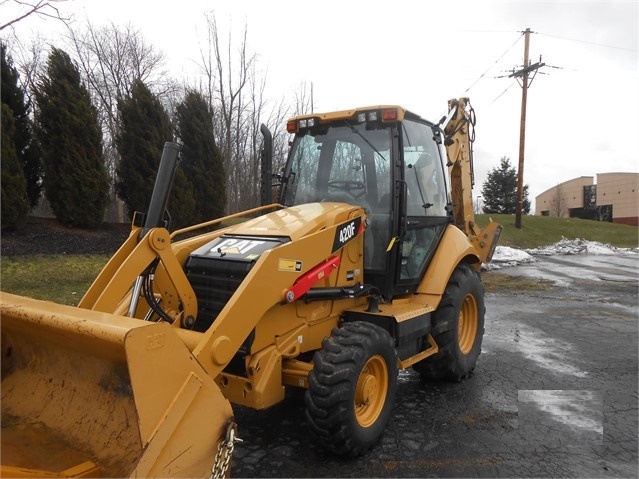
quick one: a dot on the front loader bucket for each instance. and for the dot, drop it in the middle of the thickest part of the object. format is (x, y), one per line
(89, 394)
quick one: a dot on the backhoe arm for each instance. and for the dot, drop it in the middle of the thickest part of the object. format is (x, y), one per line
(459, 135)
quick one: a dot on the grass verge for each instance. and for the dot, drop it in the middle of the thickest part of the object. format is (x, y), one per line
(60, 278)
(543, 231)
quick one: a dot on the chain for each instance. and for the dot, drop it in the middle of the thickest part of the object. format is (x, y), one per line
(225, 452)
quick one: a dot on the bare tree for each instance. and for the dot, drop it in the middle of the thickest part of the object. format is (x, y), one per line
(31, 62)
(111, 58)
(276, 122)
(477, 206)
(558, 203)
(303, 99)
(236, 90)
(30, 58)
(274, 117)
(226, 79)
(41, 8)
(603, 213)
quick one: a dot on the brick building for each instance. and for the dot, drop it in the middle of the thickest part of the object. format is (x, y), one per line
(614, 197)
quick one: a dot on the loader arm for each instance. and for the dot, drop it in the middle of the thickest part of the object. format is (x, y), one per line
(459, 135)
(117, 279)
(266, 286)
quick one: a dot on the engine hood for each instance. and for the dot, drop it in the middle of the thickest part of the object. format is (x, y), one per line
(248, 240)
(296, 221)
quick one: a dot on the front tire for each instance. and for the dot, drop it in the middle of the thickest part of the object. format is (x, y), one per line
(352, 388)
(457, 327)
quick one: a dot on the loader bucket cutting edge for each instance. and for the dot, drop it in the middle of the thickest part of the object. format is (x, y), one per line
(89, 394)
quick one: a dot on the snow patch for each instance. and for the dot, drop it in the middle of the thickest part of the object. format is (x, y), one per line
(579, 246)
(506, 256)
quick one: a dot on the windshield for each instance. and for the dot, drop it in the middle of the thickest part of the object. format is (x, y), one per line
(341, 162)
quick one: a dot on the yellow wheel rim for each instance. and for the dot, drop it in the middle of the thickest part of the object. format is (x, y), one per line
(468, 321)
(370, 393)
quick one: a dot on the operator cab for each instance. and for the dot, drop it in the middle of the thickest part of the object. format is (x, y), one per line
(388, 161)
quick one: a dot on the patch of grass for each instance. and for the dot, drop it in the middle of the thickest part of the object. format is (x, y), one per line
(60, 278)
(501, 282)
(543, 230)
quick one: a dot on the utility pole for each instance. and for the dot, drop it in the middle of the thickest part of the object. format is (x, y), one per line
(523, 74)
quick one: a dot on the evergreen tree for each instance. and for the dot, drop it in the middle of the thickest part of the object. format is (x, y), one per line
(143, 129)
(26, 148)
(182, 201)
(499, 192)
(14, 206)
(201, 158)
(67, 129)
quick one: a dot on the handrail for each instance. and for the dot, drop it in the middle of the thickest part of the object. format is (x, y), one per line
(188, 229)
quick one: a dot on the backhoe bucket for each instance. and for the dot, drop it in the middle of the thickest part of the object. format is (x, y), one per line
(89, 394)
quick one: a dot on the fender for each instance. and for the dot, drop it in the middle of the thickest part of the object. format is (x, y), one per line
(454, 248)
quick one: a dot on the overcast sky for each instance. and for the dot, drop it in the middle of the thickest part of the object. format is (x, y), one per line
(583, 107)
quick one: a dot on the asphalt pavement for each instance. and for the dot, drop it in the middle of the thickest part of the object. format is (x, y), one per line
(554, 393)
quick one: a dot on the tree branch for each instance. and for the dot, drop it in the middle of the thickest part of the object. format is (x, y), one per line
(37, 8)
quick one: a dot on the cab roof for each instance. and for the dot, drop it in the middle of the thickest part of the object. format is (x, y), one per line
(401, 113)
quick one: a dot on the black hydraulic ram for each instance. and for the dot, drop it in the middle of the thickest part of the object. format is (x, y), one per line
(154, 219)
(162, 188)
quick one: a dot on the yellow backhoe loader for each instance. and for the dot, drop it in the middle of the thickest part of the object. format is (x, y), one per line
(369, 263)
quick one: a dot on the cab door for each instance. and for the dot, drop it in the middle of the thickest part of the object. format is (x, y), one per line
(423, 204)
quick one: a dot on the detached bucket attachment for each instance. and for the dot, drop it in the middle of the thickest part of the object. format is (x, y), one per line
(89, 394)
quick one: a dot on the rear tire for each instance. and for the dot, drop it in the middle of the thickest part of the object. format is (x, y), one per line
(352, 388)
(457, 327)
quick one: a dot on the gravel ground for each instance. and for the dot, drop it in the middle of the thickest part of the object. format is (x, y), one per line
(47, 236)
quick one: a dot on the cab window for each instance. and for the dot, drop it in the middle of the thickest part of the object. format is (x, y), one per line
(425, 200)
(423, 171)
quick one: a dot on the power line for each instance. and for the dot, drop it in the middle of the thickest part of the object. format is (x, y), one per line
(588, 42)
(490, 31)
(502, 93)
(494, 63)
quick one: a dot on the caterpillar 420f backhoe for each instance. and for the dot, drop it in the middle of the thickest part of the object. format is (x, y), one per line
(368, 264)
